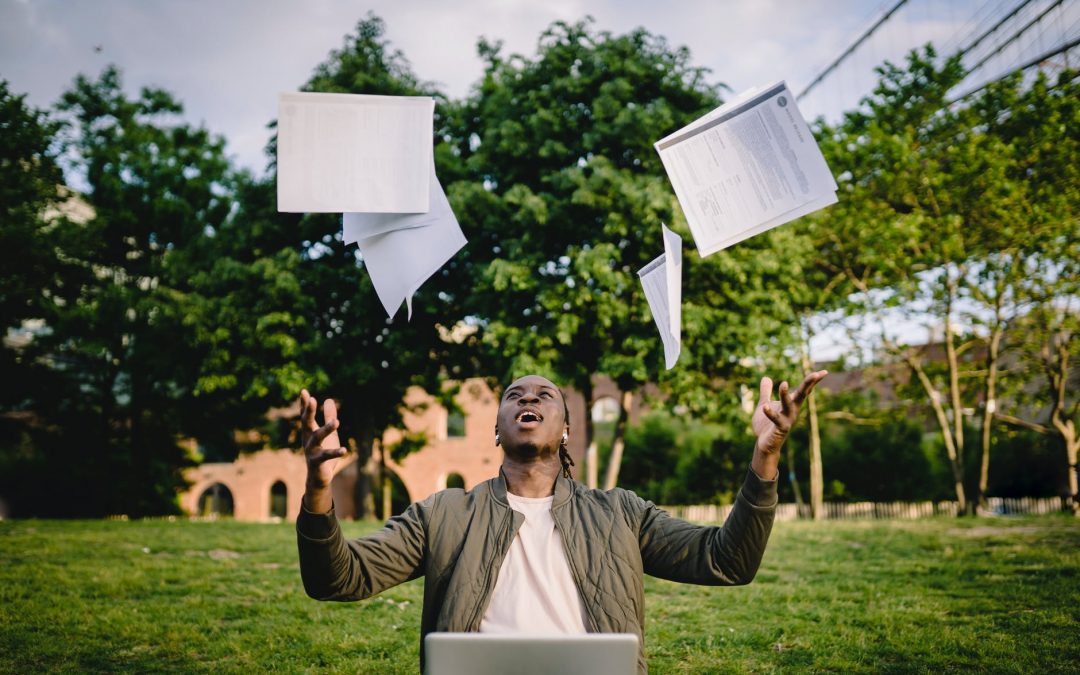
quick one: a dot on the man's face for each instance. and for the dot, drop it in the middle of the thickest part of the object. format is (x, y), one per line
(532, 416)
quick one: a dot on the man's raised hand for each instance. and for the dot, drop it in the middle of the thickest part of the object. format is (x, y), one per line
(772, 421)
(321, 443)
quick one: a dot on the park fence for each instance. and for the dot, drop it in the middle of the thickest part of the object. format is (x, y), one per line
(716, 513)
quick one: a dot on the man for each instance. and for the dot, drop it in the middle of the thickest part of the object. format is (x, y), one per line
(532, 551)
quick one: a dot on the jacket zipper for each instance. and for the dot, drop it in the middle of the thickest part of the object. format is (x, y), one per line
(577, 580)
(474, 624)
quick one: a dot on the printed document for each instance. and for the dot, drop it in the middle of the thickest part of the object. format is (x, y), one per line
(402, 258)
(746, 167)
(661, 280)
(354, 153)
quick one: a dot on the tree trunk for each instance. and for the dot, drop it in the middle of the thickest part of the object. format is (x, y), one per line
(384, 479)
(387, 503)
(800, 507)
(953, 362)
(946, 432)
(1071, 447)
(817, 475)
(368, 474)
(989, 407)
(1056, 362)
(592, 459)
(611, 476)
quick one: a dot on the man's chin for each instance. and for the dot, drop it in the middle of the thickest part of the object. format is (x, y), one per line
(523, 449)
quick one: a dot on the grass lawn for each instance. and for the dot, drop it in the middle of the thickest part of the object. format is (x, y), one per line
(991, 595)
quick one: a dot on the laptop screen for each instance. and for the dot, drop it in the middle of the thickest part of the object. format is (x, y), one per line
(497, 654)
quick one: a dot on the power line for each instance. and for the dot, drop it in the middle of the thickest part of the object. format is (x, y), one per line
(973, 25)
(1014, 36)
(997, 25)
(862, 38)
(1033, 62)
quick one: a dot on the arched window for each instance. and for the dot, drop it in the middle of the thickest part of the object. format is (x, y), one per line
(216, 500)
(455, 480)
(279, 496)
(455, 424)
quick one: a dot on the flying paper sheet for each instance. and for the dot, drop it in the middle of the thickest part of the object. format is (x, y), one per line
(746, 167)
(661, 280)
(357, 226)
(401, 260)
(354, 153)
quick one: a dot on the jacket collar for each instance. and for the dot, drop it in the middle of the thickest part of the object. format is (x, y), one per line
(564, 488)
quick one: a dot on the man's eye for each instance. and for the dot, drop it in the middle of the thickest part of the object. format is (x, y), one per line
(546, 393)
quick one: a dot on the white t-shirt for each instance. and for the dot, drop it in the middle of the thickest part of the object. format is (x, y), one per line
(535, 592)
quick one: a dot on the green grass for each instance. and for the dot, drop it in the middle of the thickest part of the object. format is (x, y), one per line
(940, 595)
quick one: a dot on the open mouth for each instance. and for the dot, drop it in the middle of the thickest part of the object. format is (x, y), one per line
(527, 416)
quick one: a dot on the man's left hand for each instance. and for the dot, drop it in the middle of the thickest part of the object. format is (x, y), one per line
(772, 421)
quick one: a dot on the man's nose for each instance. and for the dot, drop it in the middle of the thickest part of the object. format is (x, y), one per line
(529, 398)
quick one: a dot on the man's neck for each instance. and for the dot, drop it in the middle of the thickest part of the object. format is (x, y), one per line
(531, 478)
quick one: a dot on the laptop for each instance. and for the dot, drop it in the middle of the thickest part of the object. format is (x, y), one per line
(488, 654)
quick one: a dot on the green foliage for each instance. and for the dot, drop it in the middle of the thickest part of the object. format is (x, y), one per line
(951, 212)
(1027, 464)
(560, 147)
(107, 394)
(673, 460)
(172, 300)
(29, 178)
(353, 351)
(882, 463)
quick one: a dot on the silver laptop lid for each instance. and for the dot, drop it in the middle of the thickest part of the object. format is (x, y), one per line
(487, 654)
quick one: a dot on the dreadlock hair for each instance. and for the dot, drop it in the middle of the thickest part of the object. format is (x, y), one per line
(564, 453)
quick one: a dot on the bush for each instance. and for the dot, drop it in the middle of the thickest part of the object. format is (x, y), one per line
(672, 461)
(883, 463)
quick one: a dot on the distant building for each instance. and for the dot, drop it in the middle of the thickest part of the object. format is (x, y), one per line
(460, 450)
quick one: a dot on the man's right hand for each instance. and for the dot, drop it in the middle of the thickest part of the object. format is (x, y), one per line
(321, 447)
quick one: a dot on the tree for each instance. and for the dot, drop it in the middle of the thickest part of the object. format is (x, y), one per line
(29, 181)
(347, 345)
(925, 223)
(1048, 342)
(108, 393)
(954, 203)
(564, 204)
(1039, 122)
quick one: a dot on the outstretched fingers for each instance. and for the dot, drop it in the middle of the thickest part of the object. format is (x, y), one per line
(331, 453)
(769, 410)
(307, 411)
(787, 406)
(329, 411)
(765, 391)
(322, 432)
(808, 384)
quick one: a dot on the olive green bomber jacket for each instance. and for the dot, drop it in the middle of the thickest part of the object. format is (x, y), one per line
(457, 540)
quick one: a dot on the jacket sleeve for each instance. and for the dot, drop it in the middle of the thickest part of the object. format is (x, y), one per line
(335, 569)
(727, 555)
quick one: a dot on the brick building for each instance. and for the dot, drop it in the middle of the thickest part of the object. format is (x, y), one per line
(460, 450)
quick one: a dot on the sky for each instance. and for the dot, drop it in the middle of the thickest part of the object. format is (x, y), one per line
(227, 60)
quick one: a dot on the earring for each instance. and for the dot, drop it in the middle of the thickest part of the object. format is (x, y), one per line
(496, 439)
(565, 438)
